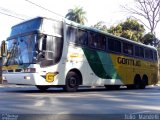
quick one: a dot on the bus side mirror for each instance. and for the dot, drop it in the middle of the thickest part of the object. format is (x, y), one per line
(42, 43)
(3, 49)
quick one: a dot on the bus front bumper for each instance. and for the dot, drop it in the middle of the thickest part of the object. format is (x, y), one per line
(26, 79)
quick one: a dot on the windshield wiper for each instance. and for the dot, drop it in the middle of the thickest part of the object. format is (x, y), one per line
(12, 54)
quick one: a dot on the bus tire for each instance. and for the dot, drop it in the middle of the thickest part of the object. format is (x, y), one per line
(42, 88)
(137, 82)
(72, 81)
(144, 82)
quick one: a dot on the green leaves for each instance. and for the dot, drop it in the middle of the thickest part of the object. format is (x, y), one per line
(77, 15)
(129, 29)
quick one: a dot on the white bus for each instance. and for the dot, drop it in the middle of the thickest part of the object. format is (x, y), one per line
(59, 53)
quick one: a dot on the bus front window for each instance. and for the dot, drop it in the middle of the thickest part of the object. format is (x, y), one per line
(21, 50)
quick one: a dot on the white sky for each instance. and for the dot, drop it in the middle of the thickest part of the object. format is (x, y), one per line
(108, 11)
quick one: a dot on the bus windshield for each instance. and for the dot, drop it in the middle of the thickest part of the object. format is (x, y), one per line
(21, 50)
(35, 41)
(34, 48)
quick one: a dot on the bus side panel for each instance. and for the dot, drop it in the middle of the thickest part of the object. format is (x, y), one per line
(100, 63)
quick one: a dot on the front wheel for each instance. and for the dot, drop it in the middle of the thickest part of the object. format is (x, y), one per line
(72, 81)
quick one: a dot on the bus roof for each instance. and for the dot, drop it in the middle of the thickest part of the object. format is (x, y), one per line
(105, 33)
(87, 28)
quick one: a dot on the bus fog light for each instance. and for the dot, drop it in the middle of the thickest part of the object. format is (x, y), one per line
(3, 78)
(27, 77)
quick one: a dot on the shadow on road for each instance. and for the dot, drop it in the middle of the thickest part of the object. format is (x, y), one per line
(33, 89)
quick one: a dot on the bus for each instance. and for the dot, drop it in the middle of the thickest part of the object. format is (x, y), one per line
(48, 53)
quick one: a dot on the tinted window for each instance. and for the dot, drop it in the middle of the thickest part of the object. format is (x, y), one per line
(148, 54)
(155, 55)
(71, 34)
(114, 45)
(21, 49)
(91, 40)
(82, 37)
(139, 51)
(101, 41)
(27, 26)
(151, 54)
(128, 48)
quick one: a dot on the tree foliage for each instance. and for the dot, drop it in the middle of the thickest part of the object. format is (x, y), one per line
(150, 39)
(77, 15)
(129, 29)
(101, 26)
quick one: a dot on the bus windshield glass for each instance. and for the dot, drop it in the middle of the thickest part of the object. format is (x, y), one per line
(21, 50)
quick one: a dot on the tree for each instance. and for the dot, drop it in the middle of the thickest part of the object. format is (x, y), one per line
(77, 15)
(101, 26)
(149, 10)
(150, 39)
(129, 29)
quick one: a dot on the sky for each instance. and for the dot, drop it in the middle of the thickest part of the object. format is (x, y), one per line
(109, 11)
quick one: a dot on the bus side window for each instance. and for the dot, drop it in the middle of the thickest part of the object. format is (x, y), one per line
(148, 54)
(111, 44)
(114, 45)
(139, 51)
(101, 42)
(82, 37)
(128, 48)
(155, 56)
(71, 34)
(151, 54)
(91, 40)
(117, 46)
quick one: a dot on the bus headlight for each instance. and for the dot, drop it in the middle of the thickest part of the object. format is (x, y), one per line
(27, 77)
(3, 78)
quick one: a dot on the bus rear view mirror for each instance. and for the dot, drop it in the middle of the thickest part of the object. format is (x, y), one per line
(42, 43)
(3, 49)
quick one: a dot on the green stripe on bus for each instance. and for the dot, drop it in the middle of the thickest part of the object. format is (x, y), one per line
(101, 64)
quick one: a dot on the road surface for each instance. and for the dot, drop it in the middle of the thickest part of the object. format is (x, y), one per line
(96, 101)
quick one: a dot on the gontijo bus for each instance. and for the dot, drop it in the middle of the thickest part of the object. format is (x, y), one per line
(59, 53)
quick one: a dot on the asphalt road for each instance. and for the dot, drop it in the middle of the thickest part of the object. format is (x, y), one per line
(96, 101)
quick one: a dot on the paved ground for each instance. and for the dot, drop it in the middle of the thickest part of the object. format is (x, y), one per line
(29, 100)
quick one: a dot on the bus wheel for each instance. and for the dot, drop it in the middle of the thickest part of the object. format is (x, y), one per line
(72, 81)
(144, 82)
(42, 88)
(137, 82)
